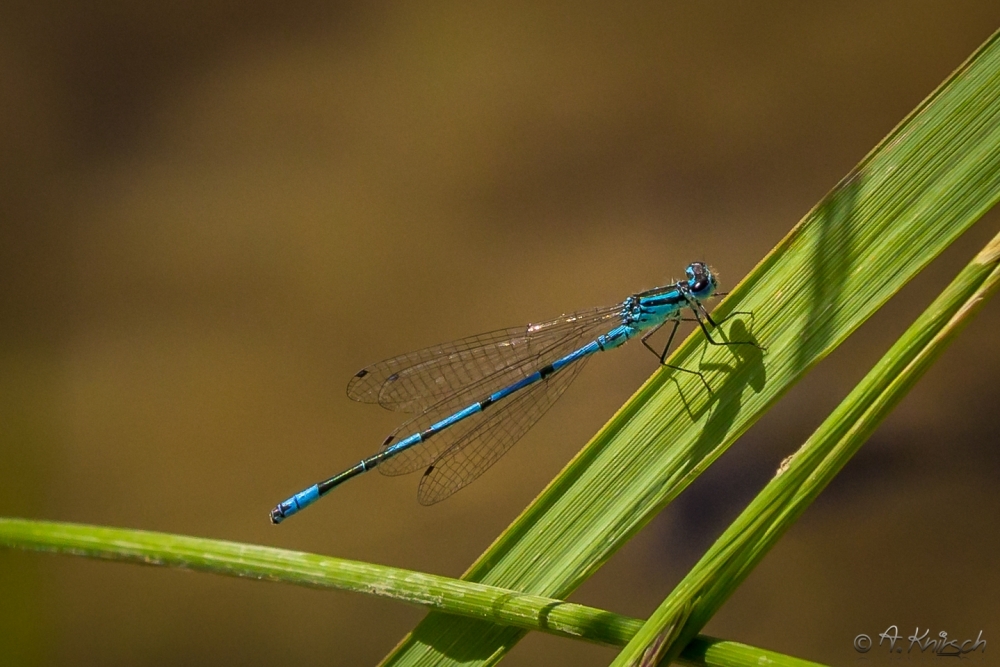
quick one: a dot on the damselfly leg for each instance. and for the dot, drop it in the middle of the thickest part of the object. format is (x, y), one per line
(662, 356)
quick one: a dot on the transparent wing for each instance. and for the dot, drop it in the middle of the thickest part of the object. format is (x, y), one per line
(484, 445)
(424, 454)
(418, 380)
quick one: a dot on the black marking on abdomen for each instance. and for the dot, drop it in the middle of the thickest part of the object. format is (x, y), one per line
(546, 371)
(426, 435)
(485, 403)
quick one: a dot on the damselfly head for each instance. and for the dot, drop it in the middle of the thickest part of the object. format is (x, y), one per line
(701, 280)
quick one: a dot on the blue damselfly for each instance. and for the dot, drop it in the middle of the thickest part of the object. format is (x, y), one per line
(475, 397)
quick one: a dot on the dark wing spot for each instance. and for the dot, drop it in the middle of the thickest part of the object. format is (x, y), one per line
(360, 374)
(392, 378)
(388, 440)
(428, 471)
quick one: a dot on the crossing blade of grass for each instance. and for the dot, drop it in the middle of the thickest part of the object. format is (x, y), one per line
(931, 178)
(451, 596)
(772, 512)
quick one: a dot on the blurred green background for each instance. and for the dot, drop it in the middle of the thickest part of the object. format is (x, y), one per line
(211, 215)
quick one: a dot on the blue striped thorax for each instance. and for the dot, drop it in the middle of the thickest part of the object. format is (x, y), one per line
(655, 306)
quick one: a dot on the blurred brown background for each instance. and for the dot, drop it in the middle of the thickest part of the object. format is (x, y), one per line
(211, 215)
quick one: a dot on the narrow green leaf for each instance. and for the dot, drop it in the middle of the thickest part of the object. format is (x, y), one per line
(772, 512)
(918, 190)
(450, 596)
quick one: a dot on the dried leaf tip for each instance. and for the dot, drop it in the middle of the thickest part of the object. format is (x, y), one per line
(991, 253)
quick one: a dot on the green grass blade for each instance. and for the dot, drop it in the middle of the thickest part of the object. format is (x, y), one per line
(451, 596)
(734, 555)
(918, 190)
